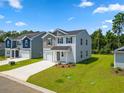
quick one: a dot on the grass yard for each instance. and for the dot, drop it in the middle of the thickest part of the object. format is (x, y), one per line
(92, 76)
(2, 58)
(19, 64)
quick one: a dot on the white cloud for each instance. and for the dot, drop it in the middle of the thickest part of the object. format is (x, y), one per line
(85, 3)
(108, 21)
(111, 7)
(20, 23)
(15, 4)
(2, 17)
(8, 22)
(104, 26)
(71, 18)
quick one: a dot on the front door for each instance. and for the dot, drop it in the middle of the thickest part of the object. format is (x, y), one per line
(12, 53)
(58, 56)
(17, 53)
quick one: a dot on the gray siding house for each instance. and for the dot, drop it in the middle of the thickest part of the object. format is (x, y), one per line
(119, 57)
(2, 49)
(25, 46)
(66, 46)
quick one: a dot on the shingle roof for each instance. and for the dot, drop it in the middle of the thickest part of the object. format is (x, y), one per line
(120, 49)
(73, 32)
(60, 48)
(30, 35)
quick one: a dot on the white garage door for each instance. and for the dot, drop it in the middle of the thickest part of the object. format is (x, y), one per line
(25, 54)
(49, 57)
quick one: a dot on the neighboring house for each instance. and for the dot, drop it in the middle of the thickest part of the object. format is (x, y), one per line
(2, 49)
(119, 57)
(25, 46)
(66, 46)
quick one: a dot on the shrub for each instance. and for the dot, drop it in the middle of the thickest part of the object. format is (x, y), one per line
(112, 65)
(12, 62)
(119, 69)
(60, 81)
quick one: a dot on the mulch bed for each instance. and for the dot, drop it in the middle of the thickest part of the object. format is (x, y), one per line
(65, 65)
(118, 71)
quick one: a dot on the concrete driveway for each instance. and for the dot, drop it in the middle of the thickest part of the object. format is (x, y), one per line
(14, 59)
(23, 73)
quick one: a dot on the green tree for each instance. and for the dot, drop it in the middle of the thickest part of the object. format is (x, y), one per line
(98, 40)
(111, 40)
(118, 25)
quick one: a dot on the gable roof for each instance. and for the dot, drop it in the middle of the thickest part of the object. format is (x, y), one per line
(30, 35)
(120, 49)
(73, 32)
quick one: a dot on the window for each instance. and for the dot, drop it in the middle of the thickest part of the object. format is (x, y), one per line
(26, 43)
(86, 53)
(18, 43)
(81, 54)
(81, 42)
(62, 54)
(8, 43)
(86, 42)
(60, 40)
(49, 41)
(69, 40)
(14, 43)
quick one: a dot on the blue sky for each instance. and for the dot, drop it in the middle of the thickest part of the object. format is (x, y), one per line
(46, 15)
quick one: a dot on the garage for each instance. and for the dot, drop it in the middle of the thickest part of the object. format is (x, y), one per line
(48, 56)
(25, 54)
(119, 57)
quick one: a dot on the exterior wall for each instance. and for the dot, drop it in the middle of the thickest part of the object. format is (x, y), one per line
(2, 49)
(119, 60)
(72, 54)
(37, 47)
(45, 41)
(7, 52)
(67, 56)
(2, 52)
(84, 35)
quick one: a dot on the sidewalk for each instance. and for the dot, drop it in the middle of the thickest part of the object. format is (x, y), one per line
(4, 62)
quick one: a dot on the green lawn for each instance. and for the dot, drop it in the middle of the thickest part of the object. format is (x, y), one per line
(95, 76)
(19, 64)
(2, 58)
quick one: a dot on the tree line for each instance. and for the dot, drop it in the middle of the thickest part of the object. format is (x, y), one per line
(113, 38)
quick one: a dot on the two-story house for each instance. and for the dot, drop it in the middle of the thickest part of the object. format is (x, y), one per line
(25, 46)
(66, 46)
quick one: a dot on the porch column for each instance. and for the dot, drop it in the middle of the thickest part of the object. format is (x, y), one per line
(66, 57)
(114, 59)
(10, 55)
(14, 53)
